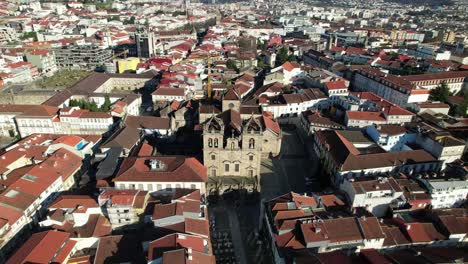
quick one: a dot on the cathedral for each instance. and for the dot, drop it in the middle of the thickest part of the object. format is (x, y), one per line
(237, 137)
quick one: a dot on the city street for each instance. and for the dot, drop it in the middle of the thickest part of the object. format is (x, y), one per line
(226, 226)
(288, 171)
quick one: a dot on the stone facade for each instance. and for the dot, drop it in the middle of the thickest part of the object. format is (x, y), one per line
(234, 145)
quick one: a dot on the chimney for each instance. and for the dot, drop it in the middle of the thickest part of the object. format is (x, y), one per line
(156, 164)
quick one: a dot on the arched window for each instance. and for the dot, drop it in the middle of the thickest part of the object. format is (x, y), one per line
(216, 143)
(232, 145)
(210, 142)
(251, 143)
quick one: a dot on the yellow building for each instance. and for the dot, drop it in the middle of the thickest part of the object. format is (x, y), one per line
(449, 36)
(128, 64)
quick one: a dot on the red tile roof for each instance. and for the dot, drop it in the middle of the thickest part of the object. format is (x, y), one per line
(177, 169)
(333, 230)
(371, 228)
(122, 197)
(44, 247)
(73, 201)
(363, 115)
(335, 85)
(289, 66)
(270, 124)
(423, 232)
(169, 91)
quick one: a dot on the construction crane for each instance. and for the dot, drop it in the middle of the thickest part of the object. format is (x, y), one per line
(122, 53)
(208, 59)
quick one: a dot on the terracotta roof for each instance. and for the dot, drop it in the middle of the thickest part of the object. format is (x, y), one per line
(148, 122)
(289, 66)
(197, 227)
(70, 140)
(394, 237)
(271, 125)
(347, 157)
(44, 247)
(169, 91)
(73, 201)
(176, 169)
(423, 232)
(335, 85)
(231, 95)
(332, 230)
(363, 115)
(124, 197)
(119, 249)
(178, 208)
(364, 186)
(9, 215)
(88, 114)
(436, 76)
(371, 228)
(391, 129)
(176, 241)
(315, 118)
(126, 138)
(29, 110)
(331, 200)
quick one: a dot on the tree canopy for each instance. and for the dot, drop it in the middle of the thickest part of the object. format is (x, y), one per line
(231, 64)
(91, 105)
(440, 93)
(283, 56)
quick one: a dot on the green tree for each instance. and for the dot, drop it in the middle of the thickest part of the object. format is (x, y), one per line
(92, 106)
(282, 56)
(178, 13)
(261, 45)
(105, 107)
(460, 110)
(129, 21)
(440, 93)
(231, 64)
(261, 64)
(117, 18)
(28, 35)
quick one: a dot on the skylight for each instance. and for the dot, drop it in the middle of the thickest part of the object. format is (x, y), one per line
(11, 194)
(29, 177)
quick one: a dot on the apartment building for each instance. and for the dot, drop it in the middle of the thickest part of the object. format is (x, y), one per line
(7, 34)
(32, 189)
(161, 174)
(123, 207)
(446, 192)
(366, 108)
(26, 120)
(351, 154)
(375, 195)
(455, 80)
(75, 121)
(285, 105)
(299, 222)
(81, 57)
(44, 60)
(312, 121)
(392, 88)
(45, 247)
(31, 118)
